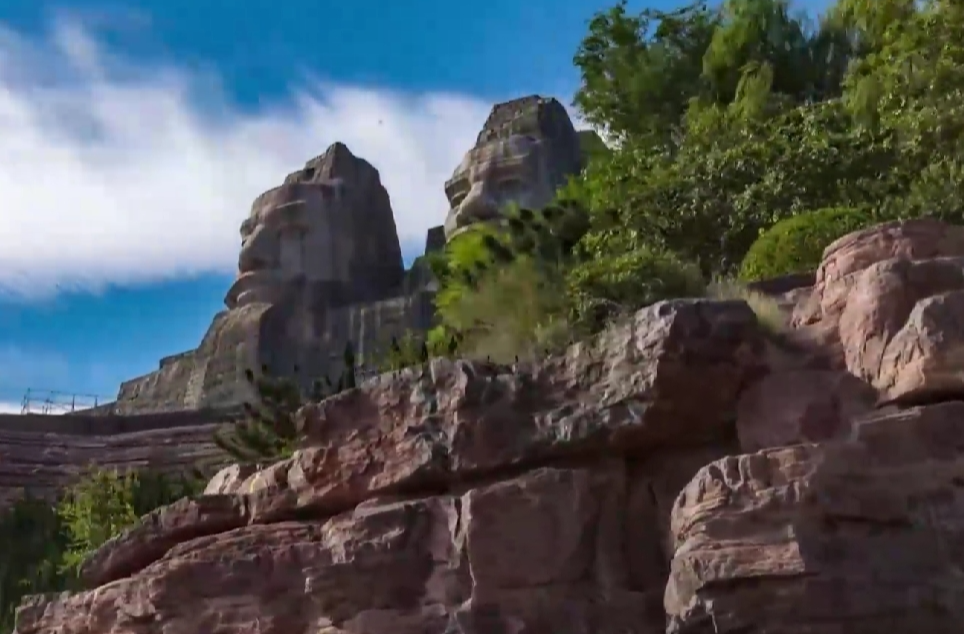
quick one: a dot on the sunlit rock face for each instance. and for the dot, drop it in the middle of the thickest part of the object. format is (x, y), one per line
(319, 267)
(328, 223)
(526, 150)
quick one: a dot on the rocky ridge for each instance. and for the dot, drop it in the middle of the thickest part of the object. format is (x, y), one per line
(685, 471)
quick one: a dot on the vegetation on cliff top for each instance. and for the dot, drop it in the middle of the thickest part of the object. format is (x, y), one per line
(744, 140)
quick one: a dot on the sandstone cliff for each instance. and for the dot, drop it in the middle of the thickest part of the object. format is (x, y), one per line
(686, 471)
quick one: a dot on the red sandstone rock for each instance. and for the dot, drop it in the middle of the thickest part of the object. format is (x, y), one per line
(797, 406)
(917, 239)
(860, 536)
(464, 495)
(469, 498)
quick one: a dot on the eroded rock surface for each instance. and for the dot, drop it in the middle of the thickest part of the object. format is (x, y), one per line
(890, 295)
(683, 472)
(42, 455)
(460, 497)
(319, 266)
(526, 150)
(855, 537)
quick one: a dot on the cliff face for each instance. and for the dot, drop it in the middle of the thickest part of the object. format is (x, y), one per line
(45, 454)
(686, 472)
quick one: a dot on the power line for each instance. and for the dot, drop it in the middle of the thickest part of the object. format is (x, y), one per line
(37, 401)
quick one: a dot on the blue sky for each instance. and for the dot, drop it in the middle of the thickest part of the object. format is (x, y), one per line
(134, 135)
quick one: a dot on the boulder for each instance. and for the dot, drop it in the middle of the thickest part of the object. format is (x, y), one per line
(801, 405)
(858, 536)
(889, 295)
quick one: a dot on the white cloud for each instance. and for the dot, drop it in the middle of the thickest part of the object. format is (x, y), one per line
(10, 408)
(115, 173)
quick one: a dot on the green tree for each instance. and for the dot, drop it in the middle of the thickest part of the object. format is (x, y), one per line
(106, 502)
(639, 72)
(34, 541)
(268, 431)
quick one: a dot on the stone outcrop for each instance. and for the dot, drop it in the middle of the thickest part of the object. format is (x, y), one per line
(683, 472)
(461, 497)
(892, 296)
(320, 263)
(855, 537)
(43, 455)
(526, 150)
(320, 266)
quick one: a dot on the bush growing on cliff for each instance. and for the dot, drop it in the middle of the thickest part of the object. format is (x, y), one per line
(34, 540)
(412, 349)
(603, 288)
(106, 502)
(44, 543)
(796, 245)
(269, 430)
(503, 289)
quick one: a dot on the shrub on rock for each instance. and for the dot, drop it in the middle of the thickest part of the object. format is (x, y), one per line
(796, 245)
(605, 287)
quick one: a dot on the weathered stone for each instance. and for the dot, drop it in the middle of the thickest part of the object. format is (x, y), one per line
(430, 565)
(229, 479)
(538, 528)
(320, 266)
(885, 302)
(851, 537)
(925, 359)
(43, 455)
(916, 239)
(330, 222)
(596, 491)
(786, 408)
(884, 296)
(526, 150)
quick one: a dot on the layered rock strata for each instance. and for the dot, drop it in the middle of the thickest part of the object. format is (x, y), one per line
(43, 455)
(648, 480)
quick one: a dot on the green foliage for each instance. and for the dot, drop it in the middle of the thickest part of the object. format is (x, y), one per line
(634, 85)
(503, 288)
(607, 287)
(46, 543)
(106, 502)
(269, 430)
(796, 245)
(732, 178)
(413, 349)
(30, 562)
(516, 310)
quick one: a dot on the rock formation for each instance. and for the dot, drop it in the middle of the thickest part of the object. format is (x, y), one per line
(320, 263)
(320, 266)
(45, 454)
(647, 481)
(526, 150)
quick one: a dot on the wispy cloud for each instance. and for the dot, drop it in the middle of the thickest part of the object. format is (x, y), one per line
(112, 173)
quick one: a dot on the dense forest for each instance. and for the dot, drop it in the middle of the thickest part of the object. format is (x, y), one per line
(743, 139)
